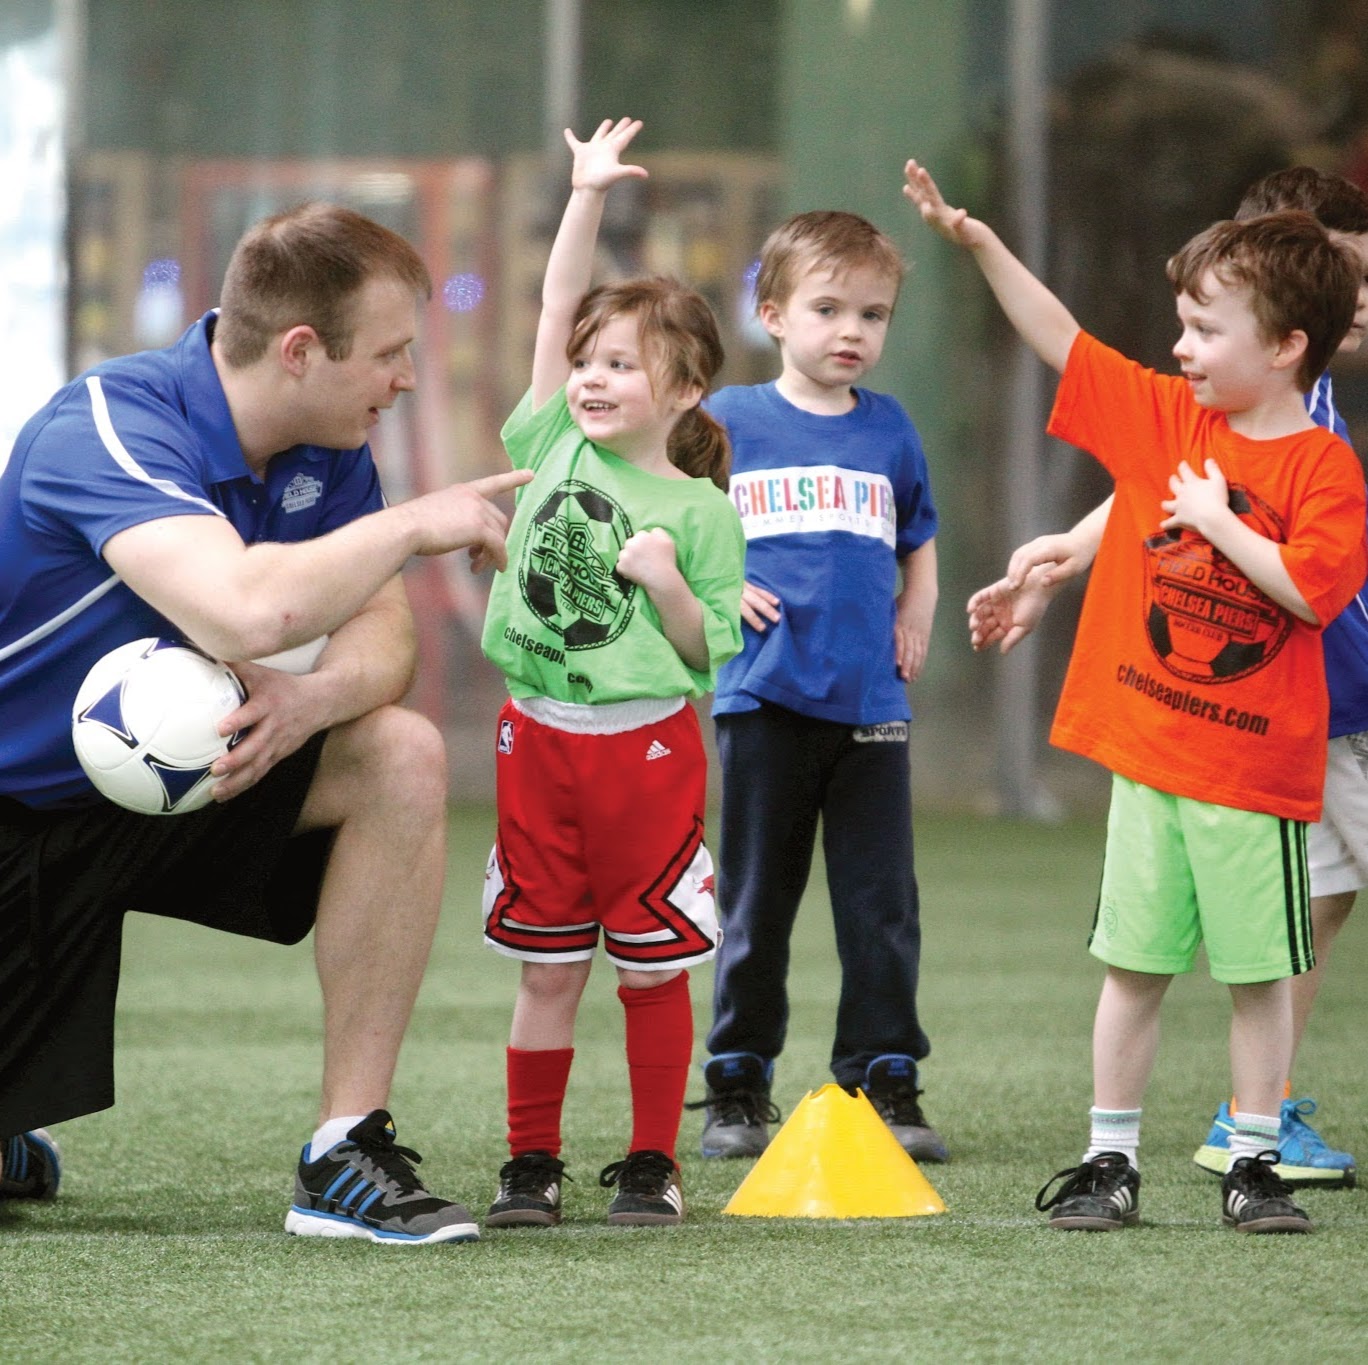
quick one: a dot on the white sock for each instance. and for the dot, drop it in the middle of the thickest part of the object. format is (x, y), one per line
(1254, 1133)
(331, 1133)
(1114, 1130)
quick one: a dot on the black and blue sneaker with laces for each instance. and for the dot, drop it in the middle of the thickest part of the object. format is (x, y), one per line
(365, 1186)
(32, 1166)
(737, 1110)
(891, 1084)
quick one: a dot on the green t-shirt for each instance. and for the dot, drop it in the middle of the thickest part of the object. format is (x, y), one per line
(562, 623)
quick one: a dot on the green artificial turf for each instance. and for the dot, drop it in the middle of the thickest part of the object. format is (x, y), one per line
(166, 1243)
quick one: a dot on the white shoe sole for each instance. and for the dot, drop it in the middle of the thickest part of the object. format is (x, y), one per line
(301, 1223)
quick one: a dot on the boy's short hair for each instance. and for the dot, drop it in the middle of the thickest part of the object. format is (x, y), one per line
(305, 267)
(1298, 279)
(822, 239)
(1337, 203)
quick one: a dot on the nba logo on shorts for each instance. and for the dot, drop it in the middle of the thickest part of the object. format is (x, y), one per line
(505, 736)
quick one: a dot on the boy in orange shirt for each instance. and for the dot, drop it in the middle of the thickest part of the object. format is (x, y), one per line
(1237, 532)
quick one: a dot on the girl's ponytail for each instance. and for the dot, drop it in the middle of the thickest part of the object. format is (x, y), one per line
(699, 447)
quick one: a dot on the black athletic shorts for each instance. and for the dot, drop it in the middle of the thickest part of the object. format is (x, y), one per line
(68, 877)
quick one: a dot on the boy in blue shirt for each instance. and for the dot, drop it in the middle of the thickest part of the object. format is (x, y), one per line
(833, 492)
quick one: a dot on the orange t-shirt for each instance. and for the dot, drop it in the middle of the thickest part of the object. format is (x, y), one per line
(1184, 675)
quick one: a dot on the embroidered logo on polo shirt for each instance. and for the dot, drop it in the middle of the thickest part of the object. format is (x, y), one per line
(301, 492)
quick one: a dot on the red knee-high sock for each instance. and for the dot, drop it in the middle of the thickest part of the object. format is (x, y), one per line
(536, 1094)
(659, 1049)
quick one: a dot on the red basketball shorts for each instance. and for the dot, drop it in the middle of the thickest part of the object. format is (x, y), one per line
(601, 831)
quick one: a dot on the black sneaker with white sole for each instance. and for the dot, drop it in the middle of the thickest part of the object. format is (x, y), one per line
(529, 1192)
(30, 1166)
(365, 1186)
(1254, 1198)
(648, 1190)
(1096, 1196)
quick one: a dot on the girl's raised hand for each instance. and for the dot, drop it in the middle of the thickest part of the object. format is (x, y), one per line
(598, 162)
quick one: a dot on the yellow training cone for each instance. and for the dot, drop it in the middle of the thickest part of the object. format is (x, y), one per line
(835, 1158)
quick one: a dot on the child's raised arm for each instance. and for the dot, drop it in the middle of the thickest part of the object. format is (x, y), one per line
(570, 266)
(1044, 323)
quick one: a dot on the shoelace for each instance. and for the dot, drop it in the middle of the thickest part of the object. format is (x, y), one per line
(1091, 1177)
(531, 1173)
(898, 1104)
(390, 1159)
(749, 1107)
(1257, 1175)
(639, 1172)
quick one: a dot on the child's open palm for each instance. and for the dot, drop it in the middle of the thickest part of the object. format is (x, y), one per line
(598, 163)
(955, 225)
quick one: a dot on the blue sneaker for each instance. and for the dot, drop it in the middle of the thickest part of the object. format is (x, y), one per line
(1214, 1154)
(1305, 1157)
(32, 1166)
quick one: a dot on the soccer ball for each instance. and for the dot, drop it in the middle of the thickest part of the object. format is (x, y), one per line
(144, 720)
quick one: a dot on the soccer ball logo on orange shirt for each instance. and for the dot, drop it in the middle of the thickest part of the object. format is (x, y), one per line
(1205, 620)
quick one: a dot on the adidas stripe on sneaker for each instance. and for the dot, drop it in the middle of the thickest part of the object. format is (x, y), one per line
(365, 1186)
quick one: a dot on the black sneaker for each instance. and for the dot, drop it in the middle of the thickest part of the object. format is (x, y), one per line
(365, 1186)
(1098, 1196)
(529, 1192)
(1254, 1198)
(648, 1189)
(891, 1084)
(737, 1109)
(32, 1166)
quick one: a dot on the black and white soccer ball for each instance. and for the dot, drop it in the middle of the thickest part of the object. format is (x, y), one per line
(144, 725)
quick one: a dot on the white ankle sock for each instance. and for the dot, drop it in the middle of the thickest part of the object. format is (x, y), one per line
(331, 1133)
(1114, 1130)
(1254, 1133)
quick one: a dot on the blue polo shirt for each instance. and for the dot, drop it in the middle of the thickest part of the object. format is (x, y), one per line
(132, 440)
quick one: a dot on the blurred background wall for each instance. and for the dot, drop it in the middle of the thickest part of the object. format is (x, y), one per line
(140, 137)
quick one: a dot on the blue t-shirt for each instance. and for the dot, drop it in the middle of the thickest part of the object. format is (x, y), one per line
(829, 506)
(132, 440)
(1345, 639)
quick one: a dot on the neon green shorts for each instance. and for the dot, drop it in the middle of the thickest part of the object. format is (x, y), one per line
(1179, 873)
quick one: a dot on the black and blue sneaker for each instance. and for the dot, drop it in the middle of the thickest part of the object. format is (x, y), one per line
(737, 1110)
(891, 1084)
(32, 1166)
(365, 1186)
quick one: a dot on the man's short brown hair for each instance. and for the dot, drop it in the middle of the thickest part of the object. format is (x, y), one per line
(823, 239)
(305, 267)
(1298, 279)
